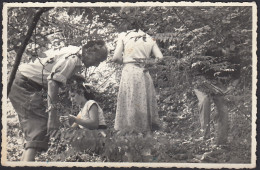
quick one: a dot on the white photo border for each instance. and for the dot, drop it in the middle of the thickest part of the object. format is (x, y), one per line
(4, 160)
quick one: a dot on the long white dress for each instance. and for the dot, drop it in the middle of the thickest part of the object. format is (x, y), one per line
(136, 104)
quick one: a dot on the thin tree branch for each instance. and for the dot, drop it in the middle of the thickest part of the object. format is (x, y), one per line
(23, 46)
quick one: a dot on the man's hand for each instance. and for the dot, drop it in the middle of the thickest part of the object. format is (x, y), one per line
(229, 89)
(232, 87)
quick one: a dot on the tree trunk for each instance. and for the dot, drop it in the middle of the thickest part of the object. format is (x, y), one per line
(23, 46)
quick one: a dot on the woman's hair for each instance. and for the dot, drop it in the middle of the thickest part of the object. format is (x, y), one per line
(83, 89)
(133, 24)
(131, 18)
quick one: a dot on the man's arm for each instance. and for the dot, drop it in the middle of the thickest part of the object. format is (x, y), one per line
(53, 122)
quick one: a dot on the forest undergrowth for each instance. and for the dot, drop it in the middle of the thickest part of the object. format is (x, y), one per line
(178, 140)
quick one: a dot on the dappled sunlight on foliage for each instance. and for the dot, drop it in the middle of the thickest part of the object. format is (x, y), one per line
(183, 34)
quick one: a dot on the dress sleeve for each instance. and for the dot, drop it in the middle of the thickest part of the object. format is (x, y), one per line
(63, 69)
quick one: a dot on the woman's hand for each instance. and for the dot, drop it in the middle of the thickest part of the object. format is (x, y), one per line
(62, 119)
(72, 118)
(109, 60)
(67, 119)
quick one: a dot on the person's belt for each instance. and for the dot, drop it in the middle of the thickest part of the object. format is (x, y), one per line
(138, 64)
(102, 127)
(31, 83)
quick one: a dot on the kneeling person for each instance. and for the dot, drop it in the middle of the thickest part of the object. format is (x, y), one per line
(90, 116)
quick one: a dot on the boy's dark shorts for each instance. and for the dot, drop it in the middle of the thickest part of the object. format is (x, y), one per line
(28, 102)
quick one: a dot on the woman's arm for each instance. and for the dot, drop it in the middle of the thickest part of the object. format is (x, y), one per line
(92, 122)
(157, 52)
(74, 125)
(118, 52)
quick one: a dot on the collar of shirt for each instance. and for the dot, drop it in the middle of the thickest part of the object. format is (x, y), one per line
(139, 32)
(79, 54)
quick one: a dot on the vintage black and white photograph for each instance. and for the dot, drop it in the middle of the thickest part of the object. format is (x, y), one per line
(129, 84)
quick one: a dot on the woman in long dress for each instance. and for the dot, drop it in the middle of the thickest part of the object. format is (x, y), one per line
(136, 103)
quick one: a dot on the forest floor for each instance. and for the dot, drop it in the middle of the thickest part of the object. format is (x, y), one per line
(182, 128)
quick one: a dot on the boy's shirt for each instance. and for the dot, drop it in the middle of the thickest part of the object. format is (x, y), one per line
(217, 71)
(58, 65)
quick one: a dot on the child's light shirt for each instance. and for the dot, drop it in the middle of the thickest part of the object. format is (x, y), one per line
(84, 113)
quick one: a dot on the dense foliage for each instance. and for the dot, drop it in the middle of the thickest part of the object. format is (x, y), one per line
(183, 34)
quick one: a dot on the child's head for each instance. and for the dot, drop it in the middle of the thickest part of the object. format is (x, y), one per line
(80, 93)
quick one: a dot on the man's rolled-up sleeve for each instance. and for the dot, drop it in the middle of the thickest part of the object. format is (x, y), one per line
(63, 70)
